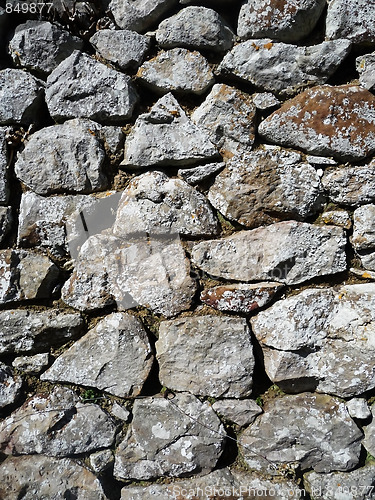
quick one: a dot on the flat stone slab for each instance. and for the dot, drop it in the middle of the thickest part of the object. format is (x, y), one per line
(240, 411)
(352, 21)
(196, 175)
(328, 121)
(140, 15)
(32, 364)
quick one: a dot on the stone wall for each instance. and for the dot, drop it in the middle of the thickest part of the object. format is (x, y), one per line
(187, 262)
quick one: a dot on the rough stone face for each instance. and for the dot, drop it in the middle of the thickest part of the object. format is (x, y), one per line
(32, 364)
(355, 485)
(365, 65)
(140, 15)
(115, 356)
(352, 21)
(178, 70)
(57, 425)
(25, 276)
(10, 385)
(4, 187)
(83, 87)
(166, 137)
(197, 175)
(289, 252)
(299, 66)
(120, 412)
(265, 100)
(62, 157)
(358, 408)
(369, 440)
(41, 46)
(125, 48)
(337, 218)
(320, 339)
(228, 116)
(363, 239)
(5, 222)
(240, 297)
(22, 477)
(242, 412)
(154, 203)
(287, 20)
(206, 356)
(266, 186)
(332, 121)
(165, 441)
(21, 107)
(33, 331)
(101, 460)
(196, 28)
(293, 430)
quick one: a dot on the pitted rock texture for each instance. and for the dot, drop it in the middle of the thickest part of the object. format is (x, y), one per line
(289, 252)
(284, 20)
(4, 176)
(6, 219)
(354, 21)
(365, 65)
(206, 355)
(358, 408)
(165, 441)
(32, 364)
(82, 87)
(115, 356)
(10, 385)
(326, 120)
(266, 186)
(138, 16)
(197, 175)
(307, 419)
(363, 239)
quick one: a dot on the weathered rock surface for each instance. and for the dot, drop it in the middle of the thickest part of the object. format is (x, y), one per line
(358, 408)
(82, 87)
(287, 20)
(165, 440)
(266, 186)
(293, 430)
(242, 412)
(320, 339)
(352, 21)
(33, 331)
(120, 412)
(240, 297)
(125, 48)
(115, 356)
(101, 460)
(62, 157)
(10, 385)
(195, 175)
(337, 218)
(178, 70)
(156, 204)
(369, 440)
(4, 182)
(289, 252)
(56, 424)
(228, 116)
(351, 185)
(206, 356)
(365, 65)
(332, 121)
(355, 485)
(41, 46)
(166, 137)
(40, 476)
(195, 28)
(25, 275)
(265, 100)
(21, 107)
(284, 68)
(363, 239)
(32, 364)
(138, 16)
(5, 222)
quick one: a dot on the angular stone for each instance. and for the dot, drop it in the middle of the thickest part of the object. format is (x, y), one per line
(166, 137)
(206, 356)
(101, 461)
(240, 297)
(5, 222)
(265, 101)
(197, 175)
(67, 157)
(115, 356)
(339, 218)
(56, 424)
(140, 15)
(165, 439)
(289, 252)
(355, 485)
(293, 431)
(320, 339)
(10, 385)
(21, 107)
(255, 61)
(287, 20)
(363, 274)
(124, 48)
(178, 70)
(41, 46)
(351, 185)
(32, 364)
(242, 412)
(332, 121)
(82, 87)
(320, 160)
(156, 204)
(195, 28)
(365, 65)
(25, 276)
(228, 116)
(4, 181)
(369, 440)
(120, 412)
(33, 331)
(39, 476)
(358, 408)
(363, 239)
(266, 186)
(352, 21)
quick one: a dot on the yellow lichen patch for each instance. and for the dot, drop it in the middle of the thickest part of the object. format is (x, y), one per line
(366, 275)
(268, 45)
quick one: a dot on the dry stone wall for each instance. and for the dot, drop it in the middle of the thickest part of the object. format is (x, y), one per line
(187, 249)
